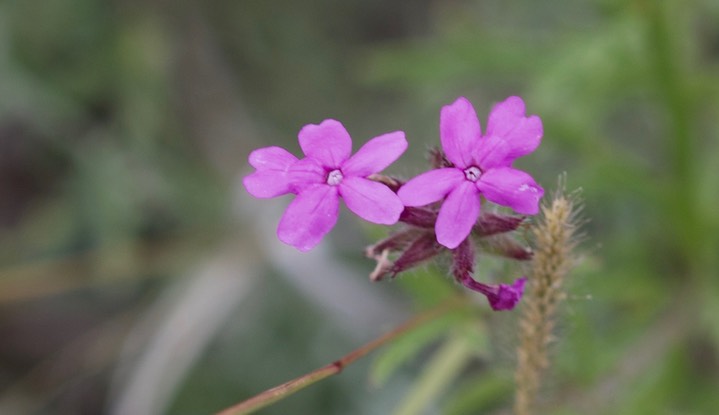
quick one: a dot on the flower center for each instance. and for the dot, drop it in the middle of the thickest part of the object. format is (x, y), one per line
(472, 173)
(334, 177)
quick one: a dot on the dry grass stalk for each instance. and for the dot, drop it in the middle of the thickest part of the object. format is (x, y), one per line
(556, 239)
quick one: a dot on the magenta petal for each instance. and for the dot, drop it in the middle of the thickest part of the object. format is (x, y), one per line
(459, 131)
(329, 142)
(271, 158)
(430, 186)
(309, 217)
(504, 116)
(372, 201)
(270, 179)
(492, 151)
(512, 188)
(507, 121)
(458, 214)
(306, 172)
(267, 183)
(376, 154)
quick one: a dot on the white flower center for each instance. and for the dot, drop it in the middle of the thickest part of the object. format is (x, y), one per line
(472, 173)
(334, 177)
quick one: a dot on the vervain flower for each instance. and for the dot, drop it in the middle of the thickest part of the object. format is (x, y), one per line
(481, 165)
(500, 296)
(325, 175)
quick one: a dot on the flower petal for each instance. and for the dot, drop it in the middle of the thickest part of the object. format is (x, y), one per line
(309, 217)
(430, 186)
(329, 142)
(304, 173)
(459, 131)
(512, 188)
(507, 121)
(458, 214)
(271, 158)
(372, 201)
(376, 155)
(270, 179)
(265, 184)
(492, 151)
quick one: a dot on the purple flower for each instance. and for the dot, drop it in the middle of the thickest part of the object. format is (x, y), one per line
(325, 175)
(501, 296)
(481, 166)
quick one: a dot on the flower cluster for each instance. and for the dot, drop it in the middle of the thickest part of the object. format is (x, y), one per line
(469, 166)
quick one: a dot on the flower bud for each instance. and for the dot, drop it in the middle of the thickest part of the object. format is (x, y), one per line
(491, 224)
(420, 217)
(438, 159)
(506, 246)
(422, 249)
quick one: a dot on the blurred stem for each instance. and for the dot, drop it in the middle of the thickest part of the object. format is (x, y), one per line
(446, 364)
(286, 389)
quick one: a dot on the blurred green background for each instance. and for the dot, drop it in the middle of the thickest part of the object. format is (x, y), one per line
(138, 277)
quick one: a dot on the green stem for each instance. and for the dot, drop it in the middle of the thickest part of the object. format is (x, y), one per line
(286, 389)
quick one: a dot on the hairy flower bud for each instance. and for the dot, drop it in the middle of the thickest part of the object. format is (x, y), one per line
(491, 224)
(506, 246)
(438, 159)
(420, 217)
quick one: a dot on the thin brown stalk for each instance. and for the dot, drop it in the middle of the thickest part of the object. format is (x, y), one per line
(555, 238)
(286, 389)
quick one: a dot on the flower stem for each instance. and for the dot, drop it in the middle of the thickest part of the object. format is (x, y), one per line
(286, 389)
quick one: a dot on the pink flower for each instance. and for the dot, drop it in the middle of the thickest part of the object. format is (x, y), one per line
(481, 166)
(325, 175)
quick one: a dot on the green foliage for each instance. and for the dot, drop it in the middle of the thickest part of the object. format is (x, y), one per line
(427, 286)
(408, 347)
(481, 393)
(438, 374)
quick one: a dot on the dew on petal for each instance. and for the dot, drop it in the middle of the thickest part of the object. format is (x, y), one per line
(525, 187)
